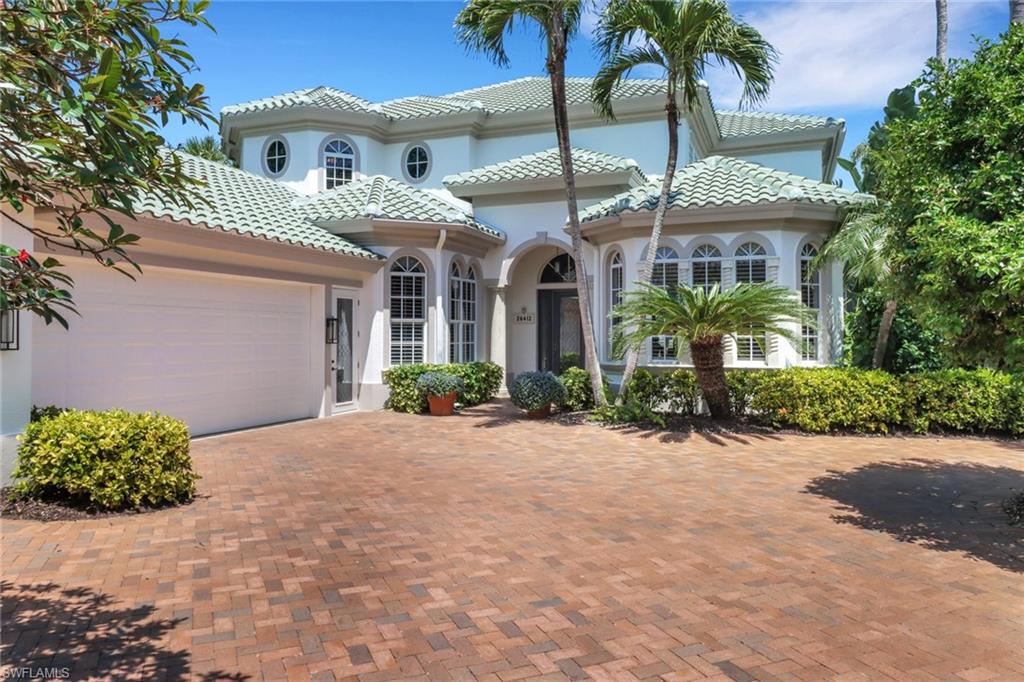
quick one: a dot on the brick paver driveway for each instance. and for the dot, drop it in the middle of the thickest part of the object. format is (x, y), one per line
(390, 546)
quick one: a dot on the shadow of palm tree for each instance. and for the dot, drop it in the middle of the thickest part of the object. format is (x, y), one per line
(944, 506)
(88, 635)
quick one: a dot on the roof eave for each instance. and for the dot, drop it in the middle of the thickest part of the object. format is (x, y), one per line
(627, 178)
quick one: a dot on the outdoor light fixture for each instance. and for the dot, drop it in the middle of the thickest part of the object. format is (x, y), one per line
(332, 330)
(8, 329)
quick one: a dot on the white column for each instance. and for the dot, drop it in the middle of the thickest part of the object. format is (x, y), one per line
(499, 328)
(15, 365)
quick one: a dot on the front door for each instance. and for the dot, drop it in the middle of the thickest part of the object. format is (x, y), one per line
(559, 330)
(343, 363)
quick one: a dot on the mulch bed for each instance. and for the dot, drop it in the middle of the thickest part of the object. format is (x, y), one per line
(15, 506)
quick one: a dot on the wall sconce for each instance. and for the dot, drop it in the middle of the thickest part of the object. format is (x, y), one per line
(9, 331)
(332, 330)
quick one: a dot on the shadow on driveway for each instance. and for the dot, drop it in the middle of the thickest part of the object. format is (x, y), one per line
(948, 507)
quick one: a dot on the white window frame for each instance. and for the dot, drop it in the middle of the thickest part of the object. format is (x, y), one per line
(408, 311)
(751, 267)
(616, 287)
(427, 162)
(283, 156)
(705, 257)
(665, 274)
(339, 166)
(810, 296)
(462, 313)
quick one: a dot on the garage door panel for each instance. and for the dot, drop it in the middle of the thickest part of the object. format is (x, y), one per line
(220, 353)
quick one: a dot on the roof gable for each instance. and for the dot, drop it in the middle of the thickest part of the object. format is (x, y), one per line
(545, 164)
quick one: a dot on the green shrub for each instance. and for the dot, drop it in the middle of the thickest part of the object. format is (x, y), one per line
(828, 399)
(681, 392)
(632, 412)
(578, 394)
(110, 460)
(481, 381)
(742, 384)
(646, 388)
(44, 412)
(1015, 405)
(569, 360)
(439, 384)
(536, 390)
(958, 400)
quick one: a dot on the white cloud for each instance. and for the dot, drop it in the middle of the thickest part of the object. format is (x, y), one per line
(841, 55)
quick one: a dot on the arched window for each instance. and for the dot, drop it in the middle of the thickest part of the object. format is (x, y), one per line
(559, 270)
(810, 296)
(751, 263)
(616, 284)
(751, 268)
(339, 161)
(665, 274)
(408, 310)
(461, 314)
(706, 266)
(417, 163)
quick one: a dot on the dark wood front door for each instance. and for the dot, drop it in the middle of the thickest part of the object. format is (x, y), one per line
(559, 330)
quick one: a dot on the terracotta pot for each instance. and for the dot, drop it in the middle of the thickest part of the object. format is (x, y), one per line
(542, 413)
(442, 405)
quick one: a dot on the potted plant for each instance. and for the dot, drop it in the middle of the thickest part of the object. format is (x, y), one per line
(441, 389)
(535, 392)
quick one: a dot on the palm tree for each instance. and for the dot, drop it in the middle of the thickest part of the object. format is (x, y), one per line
(1017, 11)
(481, 26)
(700, 319)
(207, 147)
(682, 37)
(941, 30)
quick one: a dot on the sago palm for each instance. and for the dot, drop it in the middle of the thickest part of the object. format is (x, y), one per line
(683, 38)
(482, 26)
(701, 319)
(207, 147)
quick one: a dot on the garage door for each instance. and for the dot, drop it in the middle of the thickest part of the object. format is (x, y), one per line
(218, 352)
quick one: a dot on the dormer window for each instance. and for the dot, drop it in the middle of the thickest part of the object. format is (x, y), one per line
(339, 162)
(275, 156)
(416, 162)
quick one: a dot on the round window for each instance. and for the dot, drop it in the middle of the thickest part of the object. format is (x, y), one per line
(417, 162)
(277, 157)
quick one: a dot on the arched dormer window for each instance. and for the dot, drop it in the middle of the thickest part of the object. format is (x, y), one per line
(408, 289)
(706, 266)
(462, 306)
(339, 163)
(810, 296)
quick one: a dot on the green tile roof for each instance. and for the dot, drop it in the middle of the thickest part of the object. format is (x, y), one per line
(545, 164)
(321, 97)
(422, 107)
(237, 201)
(725, 181)
(741, 123)
(535, 92)
(379, 196)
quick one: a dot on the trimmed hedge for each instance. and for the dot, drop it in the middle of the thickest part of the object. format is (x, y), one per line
(578, 395)
(676, 392)
(110, 460)
(481, 383)
(957, 400)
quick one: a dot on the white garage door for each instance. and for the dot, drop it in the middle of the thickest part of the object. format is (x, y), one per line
(220, 353)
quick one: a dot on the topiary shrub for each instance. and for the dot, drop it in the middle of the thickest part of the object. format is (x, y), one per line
(578, 394)
(481, 381)
(108, 460)
(536, 390)
(828, 399)
(958, 400)
(439, 384)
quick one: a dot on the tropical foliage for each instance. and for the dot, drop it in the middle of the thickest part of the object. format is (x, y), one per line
(207, 147)
(953, 180)
(480, 383)
(83, 91)
(700, 319)
(482, 26)
(682, 38)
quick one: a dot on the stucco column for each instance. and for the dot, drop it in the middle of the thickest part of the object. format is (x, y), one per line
(499, 328)
(15, 365)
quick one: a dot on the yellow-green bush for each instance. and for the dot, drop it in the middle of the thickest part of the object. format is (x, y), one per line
(110, 460)
(481, 381)
(975, 400)
(578, 393)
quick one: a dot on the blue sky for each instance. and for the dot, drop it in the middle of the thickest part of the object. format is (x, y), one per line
(839, 58)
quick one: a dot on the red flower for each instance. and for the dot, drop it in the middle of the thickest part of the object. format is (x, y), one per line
(23, 257)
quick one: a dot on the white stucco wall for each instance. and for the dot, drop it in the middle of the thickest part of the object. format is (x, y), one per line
(805, 162)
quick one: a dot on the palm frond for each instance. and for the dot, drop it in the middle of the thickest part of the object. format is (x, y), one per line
(859, 244)
(481, 26)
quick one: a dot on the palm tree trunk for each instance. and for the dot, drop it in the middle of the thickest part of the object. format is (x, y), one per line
(710, 368)
(647, 267)
(884, 327)
(941, 30)
(557, 47)
(1017, 11)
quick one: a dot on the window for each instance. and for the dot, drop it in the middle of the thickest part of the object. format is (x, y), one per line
(560, 270)
(751, 264)
(275, 156)
(810, 296)
(408, 310)
(616, 281)
(706, 267)
(664, 275)
(339, 163)
(461, 314)
(416, 163)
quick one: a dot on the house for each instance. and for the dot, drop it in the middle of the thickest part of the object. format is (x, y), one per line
(359, 235)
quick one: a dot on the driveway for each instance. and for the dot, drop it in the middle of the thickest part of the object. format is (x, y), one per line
(385, 546)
